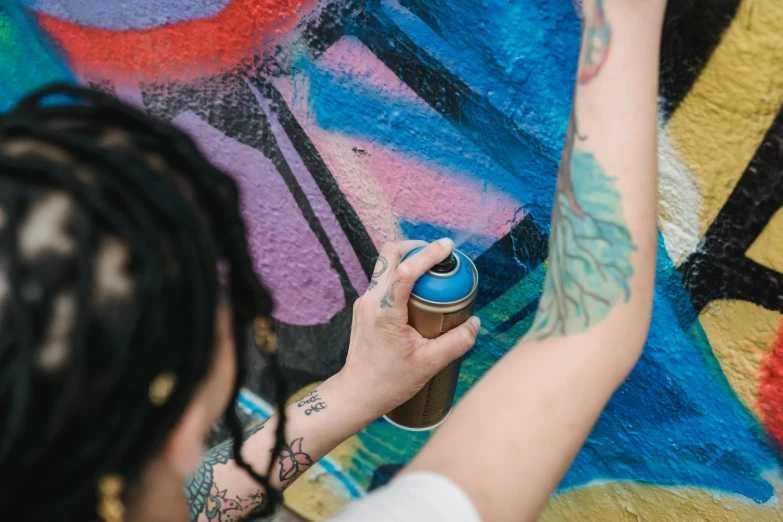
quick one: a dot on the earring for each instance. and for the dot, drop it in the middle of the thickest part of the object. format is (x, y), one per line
(110, 506)
(161, 388)
(266, 338)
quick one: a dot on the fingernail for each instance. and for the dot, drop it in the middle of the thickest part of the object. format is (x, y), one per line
(476, 322)
(446, 242)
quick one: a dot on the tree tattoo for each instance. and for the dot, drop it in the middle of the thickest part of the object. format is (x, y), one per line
(599, 38)
(388, 298)
(380, 268)
(589, 248)
(293, 461)
(201, 491)
(313, 403)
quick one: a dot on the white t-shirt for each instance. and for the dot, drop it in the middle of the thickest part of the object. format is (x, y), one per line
(414, 497)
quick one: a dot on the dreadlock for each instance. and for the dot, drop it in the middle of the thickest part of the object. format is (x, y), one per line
(125, 289)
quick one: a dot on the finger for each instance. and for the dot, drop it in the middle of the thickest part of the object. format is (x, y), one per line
(387, 262)
(410, 270)
(454, 343)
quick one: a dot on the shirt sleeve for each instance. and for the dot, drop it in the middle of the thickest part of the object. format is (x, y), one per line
(413, 497)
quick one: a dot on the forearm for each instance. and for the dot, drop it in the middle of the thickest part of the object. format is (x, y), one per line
(526, 419)
(315, 425)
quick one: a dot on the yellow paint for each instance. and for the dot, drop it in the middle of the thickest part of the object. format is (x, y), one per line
(318, 495)
(723, 119)
(741, 334)
(633, 502)
(767, 250)
(301, 392)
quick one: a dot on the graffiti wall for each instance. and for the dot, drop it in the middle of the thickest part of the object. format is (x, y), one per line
(348, 123)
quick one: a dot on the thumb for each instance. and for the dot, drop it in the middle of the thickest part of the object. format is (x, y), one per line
(454, 343)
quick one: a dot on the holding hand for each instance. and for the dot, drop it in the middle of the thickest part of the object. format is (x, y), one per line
(387, 357)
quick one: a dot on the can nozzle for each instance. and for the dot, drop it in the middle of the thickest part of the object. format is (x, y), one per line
(446, 266)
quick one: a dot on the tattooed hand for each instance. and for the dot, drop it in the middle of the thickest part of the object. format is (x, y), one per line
(387, 357)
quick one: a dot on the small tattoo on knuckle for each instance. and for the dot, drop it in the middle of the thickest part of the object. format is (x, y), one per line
(381, 267)
(388, 298)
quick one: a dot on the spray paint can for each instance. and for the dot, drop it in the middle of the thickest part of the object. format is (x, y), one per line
(442, 299)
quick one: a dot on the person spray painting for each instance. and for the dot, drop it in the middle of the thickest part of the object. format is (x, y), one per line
(121, 344)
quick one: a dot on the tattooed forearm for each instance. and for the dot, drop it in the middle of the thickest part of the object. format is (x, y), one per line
(598, 34)
(312, 403)
(380, 269)
(293, 461)
(590, 245)
(202, 493)
(388, 298)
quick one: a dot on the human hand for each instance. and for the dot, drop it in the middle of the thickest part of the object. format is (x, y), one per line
(388, 360)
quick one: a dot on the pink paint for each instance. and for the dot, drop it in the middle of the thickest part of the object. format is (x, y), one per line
(285, 251)
(419, 192)
(386, 187)
(352, 58)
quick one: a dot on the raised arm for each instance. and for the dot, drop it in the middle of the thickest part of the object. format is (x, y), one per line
(525, 421)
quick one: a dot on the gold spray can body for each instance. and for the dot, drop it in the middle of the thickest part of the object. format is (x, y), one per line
(432, 404)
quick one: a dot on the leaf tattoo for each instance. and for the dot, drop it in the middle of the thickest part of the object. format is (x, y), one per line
(200, 488)
(388, 298)
(599, 39)
(293, 461)
(589, 249)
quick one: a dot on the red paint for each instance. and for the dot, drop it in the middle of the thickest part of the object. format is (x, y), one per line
(179, 51)
(771, 391)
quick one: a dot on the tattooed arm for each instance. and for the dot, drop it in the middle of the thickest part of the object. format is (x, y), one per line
(221, 492)
(388, 362)
(525, 421)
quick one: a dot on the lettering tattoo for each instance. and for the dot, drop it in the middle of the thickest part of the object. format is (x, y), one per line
(598, 34)
(293, 461)
(313, 403)
(388, 298)
(380, 269)
(202, 493)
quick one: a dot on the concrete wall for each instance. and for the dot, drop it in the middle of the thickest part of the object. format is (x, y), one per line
(349, 123)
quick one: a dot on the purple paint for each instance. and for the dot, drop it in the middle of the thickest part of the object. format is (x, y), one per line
(285, 251)
(316, 198)
(120, 15)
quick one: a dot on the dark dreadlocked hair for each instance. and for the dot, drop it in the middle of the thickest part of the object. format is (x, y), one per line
(113, 227)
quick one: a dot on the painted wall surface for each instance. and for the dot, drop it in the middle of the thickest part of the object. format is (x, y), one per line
(349, 123)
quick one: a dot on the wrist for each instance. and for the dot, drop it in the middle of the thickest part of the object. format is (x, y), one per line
(355, 396)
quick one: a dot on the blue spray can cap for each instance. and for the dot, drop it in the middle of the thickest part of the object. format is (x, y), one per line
(451, 280)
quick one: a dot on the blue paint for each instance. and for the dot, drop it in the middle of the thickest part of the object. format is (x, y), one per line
(676, 420)
(121, 15)
(519, 56)
(27, 62)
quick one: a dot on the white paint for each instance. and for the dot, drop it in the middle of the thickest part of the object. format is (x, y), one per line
(680, 201)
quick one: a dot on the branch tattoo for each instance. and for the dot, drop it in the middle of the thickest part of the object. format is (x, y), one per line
(590, 245)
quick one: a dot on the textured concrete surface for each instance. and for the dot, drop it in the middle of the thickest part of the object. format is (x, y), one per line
(348, 123)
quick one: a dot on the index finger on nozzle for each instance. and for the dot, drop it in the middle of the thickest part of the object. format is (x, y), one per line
(415, 266)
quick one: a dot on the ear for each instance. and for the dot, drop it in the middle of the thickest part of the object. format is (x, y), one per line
(185, 447)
